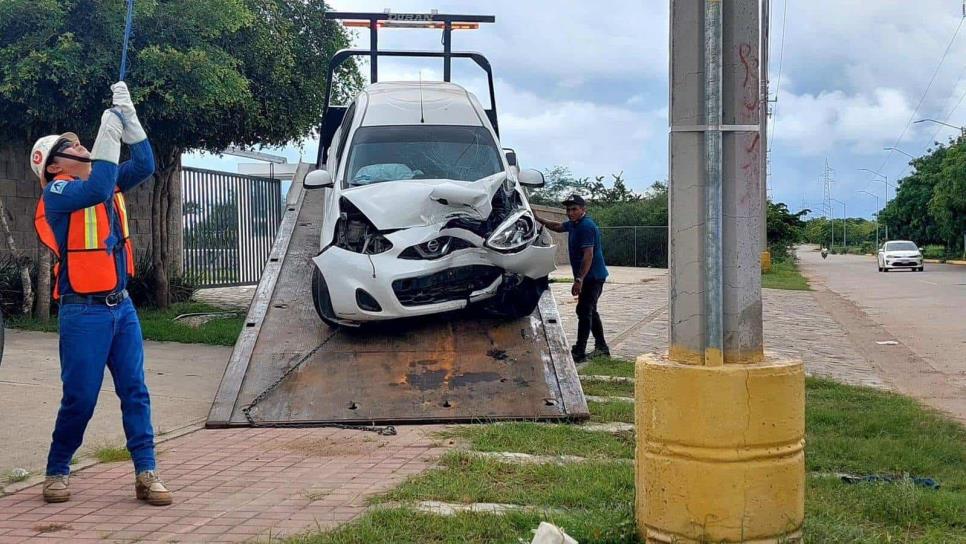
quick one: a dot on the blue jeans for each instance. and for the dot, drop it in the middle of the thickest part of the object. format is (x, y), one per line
(93, 336)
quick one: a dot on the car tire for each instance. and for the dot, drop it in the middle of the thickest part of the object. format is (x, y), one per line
(518, 301)
(321, 299)
(921, 268)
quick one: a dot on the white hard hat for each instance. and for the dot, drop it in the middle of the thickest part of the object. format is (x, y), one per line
(40, 154)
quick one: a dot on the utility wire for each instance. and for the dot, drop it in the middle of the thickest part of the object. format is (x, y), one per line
(778, 84)
(924, 93)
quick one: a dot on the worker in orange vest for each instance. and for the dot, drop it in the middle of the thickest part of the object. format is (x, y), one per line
(82, 218)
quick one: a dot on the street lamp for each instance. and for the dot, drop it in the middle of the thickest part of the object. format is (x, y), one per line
(962, 130)
(845, 238)
(885, 179)
(876, 197)
(899, 150)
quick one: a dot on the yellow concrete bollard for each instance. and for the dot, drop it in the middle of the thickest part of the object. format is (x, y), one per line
(720, 451)
(765, 261)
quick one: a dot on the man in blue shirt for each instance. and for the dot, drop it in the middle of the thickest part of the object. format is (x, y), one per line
(82, 218)
(590, 272)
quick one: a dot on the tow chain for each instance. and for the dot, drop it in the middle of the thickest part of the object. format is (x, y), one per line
(387, 430)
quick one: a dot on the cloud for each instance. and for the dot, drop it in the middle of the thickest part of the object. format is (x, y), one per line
(814, 124)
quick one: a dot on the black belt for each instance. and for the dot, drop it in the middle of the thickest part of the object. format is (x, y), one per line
(110, 299)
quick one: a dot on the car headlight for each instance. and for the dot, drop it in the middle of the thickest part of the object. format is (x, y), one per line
(435, 248)
(515, 233)
(354, 232)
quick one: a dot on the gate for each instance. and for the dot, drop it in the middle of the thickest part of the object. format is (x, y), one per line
(644, 246)
(230, 222)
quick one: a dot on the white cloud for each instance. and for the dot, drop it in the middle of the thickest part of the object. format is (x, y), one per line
(814, 124)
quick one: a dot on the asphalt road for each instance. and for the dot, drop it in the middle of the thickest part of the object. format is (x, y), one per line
(925, 311)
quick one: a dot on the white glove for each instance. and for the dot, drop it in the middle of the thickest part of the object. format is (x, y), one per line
(107, 146)
(133, 132)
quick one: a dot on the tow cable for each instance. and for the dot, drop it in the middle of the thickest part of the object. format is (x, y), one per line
(386, 430)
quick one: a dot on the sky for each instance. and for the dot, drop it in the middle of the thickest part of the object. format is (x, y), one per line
(586, 87)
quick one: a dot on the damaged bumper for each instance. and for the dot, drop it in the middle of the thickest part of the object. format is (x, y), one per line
(386, 286)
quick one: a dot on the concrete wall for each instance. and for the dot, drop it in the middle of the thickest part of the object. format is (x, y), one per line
(20, 191)
(560, 238)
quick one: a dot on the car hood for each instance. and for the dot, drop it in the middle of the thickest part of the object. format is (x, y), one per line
(415, 202)
(902, 252)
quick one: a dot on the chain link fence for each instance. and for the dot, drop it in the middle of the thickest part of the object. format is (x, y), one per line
(643, 246)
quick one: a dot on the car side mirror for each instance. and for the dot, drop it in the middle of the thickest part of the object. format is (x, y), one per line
(531, 178)
(317, 179)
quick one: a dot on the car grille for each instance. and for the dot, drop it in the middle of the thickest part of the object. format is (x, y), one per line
(445, 286)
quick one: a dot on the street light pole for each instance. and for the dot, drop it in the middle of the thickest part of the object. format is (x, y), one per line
(962, 130)
(845, 238)
(876, 197)
(899, 150)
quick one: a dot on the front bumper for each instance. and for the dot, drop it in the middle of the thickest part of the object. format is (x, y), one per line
(346, 272)
(903, 262)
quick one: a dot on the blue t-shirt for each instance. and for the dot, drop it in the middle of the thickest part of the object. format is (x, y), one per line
(582, 234)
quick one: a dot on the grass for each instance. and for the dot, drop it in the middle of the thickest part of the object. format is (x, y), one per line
(542, 439)
(849, 429)
(159, 325)
(608, 366)
(608, 389)
(785, 275)
(111, 454)
(614, 410)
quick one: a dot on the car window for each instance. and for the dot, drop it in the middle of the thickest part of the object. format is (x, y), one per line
(344, 129)
(394, 153)
(901, 246)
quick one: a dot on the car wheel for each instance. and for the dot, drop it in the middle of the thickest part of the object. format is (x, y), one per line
(921, 268)
(517, 301)
(320, 298)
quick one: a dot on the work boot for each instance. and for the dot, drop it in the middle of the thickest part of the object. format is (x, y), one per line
(150, 488)
(57, 488)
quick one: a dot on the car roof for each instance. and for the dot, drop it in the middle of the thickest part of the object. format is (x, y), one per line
(902, 241)
(414, 103)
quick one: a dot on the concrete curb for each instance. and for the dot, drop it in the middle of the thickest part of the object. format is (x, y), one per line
(939, 261)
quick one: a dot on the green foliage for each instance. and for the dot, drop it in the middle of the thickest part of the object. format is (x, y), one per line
(784, 275)
(933, 251)
(930, 203)
(11, 286)
(203, 75)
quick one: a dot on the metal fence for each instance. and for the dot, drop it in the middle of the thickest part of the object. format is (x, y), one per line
(644, 246)
(230, 222)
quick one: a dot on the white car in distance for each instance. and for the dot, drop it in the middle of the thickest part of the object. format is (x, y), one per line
(899, 254)
(423, 212)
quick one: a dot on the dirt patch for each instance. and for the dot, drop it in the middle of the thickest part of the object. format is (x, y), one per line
(51, 528)
(335, 446)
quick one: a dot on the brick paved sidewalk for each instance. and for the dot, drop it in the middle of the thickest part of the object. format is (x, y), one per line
(230, 485)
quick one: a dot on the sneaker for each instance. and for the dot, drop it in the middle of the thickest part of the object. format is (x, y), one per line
(149, 487)
(57, 488)
(599, 352)
(579, 357)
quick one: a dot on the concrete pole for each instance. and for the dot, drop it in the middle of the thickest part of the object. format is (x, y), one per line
(720, 425)
(763, 120)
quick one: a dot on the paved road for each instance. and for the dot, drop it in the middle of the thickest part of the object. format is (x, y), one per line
(924, 311)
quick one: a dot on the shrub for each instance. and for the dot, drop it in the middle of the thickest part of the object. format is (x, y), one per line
(934, 251)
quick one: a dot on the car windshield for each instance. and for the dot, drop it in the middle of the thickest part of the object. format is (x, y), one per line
(901, 246)
(458, 153)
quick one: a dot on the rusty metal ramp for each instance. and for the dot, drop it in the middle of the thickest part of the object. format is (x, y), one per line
(289, 368)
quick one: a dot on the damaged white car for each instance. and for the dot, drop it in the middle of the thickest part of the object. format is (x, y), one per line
(423, 212)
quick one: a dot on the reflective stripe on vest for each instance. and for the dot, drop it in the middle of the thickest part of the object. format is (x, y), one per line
(90, 263)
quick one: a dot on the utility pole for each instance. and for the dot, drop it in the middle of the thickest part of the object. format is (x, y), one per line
(763, 120)
(721, 425)
(876, 197)
(827, 198)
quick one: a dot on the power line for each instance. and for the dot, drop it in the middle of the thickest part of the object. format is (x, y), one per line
(778, 84)
(924, 93)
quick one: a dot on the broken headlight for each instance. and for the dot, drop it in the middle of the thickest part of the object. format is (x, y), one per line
(354, 232)
(515, 233)
(435, 248)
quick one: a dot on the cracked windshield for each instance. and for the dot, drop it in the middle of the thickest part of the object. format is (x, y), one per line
(420, 152)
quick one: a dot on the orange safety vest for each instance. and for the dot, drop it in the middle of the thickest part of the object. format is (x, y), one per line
(90, 263)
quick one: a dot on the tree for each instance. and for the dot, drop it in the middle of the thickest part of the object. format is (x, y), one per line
(784, 228)
(559, 184)
(204, 75)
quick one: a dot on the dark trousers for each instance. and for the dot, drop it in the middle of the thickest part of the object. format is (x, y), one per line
(588, 320)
